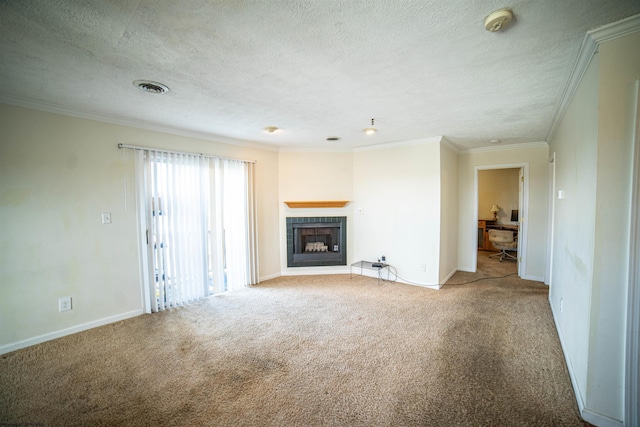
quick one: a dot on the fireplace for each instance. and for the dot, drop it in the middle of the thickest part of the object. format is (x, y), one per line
(316, 241)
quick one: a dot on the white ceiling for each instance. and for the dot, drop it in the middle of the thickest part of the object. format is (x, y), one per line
(313, 68)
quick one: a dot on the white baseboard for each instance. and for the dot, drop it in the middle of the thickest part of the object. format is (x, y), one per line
(526, 277)
(448, 277)
(270, 276)
(435, 287)
(374, 274)
(68, 331)
(572, 376)
(599, 419)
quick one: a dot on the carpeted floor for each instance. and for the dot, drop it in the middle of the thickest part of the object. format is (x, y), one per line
(307, 351)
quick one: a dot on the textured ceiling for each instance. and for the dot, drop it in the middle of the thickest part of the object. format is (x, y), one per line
(313, 68)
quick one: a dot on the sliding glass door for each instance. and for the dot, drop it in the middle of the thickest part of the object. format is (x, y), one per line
(197, 222)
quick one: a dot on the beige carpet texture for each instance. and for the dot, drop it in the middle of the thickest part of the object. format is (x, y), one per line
(309, 351)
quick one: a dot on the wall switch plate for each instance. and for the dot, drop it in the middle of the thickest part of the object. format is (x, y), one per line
(64, 304)
(106, 217)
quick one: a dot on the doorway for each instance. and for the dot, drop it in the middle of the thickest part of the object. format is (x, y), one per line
(500, 202)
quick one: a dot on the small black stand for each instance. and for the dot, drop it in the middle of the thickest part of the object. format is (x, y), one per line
(368, 265)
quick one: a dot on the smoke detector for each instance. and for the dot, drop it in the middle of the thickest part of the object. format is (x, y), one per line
(498, 19)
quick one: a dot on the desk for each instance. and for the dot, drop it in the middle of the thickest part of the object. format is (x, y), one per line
(368, 265)
(513, 227)
(483, 236)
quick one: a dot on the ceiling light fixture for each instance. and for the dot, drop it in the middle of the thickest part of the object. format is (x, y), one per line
(498, 19)
(371, 130)
(333, 138)
(495, 141)
(151, 87)
(270, 129)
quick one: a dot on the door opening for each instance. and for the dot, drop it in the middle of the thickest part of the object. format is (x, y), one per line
(500, 204)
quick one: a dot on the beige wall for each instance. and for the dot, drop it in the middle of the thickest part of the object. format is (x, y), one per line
(315, 176)
(448, 213)
(398, 190)
(619, 70)
(394, 208)
(575, 147)
(57, 175)
(591, 241)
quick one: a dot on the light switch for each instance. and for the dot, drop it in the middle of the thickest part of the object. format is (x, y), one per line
(560, 194)
(106, 217)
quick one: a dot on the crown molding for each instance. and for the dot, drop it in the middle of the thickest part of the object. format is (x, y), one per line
(382, 146)
(585, 55)
(504, 147)
(315, 150)
(56, 109)
(588, 49)
(615, 30)
(450, 145)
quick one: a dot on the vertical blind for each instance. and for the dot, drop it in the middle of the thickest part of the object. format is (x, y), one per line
(197, 217)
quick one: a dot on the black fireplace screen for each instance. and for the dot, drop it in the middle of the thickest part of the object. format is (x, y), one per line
(316, 241)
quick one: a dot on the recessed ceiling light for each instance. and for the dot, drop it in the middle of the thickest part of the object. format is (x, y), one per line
(151, 87)
(495, 141)
(270, 129)
(333, 138)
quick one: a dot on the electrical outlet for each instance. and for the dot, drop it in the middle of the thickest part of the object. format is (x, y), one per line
(561, 305)
(64, 304)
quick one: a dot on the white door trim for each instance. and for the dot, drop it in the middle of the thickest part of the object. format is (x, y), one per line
(550, 219)
(632, 371)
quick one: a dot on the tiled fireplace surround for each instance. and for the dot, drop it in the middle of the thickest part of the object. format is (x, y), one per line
(331, 238)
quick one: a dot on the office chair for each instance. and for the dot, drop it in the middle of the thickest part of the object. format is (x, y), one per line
(503, 240)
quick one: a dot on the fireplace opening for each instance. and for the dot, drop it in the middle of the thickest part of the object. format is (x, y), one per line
(316, 241)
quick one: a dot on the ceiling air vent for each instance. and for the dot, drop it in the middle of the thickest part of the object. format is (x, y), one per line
(151, 87)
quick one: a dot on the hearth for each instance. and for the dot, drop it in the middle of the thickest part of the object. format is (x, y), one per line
(316, 241)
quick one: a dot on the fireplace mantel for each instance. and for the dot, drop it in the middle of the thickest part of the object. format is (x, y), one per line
(318, 204)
